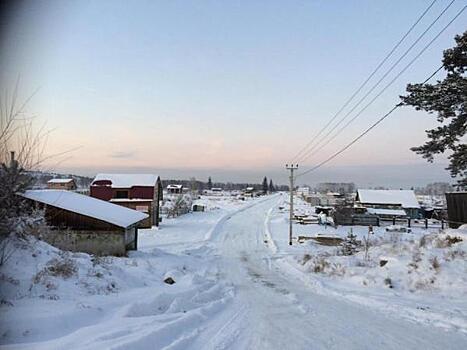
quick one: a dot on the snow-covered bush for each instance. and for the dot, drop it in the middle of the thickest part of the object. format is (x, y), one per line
(178, 205)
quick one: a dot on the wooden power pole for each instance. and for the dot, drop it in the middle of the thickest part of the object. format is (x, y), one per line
(291, 167)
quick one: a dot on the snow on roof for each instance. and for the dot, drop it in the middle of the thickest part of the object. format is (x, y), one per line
(88, 206)
(129, 200)
(59, 181)
(393, 212)
(174, 186)
(127, 180)
(405, 198)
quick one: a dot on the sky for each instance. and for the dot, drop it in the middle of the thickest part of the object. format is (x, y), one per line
(228, 89)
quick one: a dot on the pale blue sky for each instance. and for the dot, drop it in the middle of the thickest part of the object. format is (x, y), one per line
(203, 86)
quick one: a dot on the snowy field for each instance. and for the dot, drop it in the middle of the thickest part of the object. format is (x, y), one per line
(238, 285)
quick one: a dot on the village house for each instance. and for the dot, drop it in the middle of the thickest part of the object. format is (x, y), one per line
(62, 184)
(141, 192)
(303, 191)
(398, 203)
(175, 189)
(249, 192)
(81, 223)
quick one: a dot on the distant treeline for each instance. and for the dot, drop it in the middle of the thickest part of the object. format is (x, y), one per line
(83, 182)
(197, 185)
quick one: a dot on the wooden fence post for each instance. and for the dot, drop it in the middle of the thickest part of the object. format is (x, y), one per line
(426, 223)
(393, 220)
(442, 224)
(409, 222)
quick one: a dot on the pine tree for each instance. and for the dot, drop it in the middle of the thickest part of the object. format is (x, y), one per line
(265, 185)
(349, 245)
(271, 187)
(448, 99)
(209, 183)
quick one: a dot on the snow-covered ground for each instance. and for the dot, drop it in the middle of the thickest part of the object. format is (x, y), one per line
(424, 277)
(238, 286)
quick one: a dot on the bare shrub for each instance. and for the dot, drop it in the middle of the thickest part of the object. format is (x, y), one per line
(454, 254)
(62, 267)
(306, 258)
(319, 265)
(446, 241)
(435, 263)
(423, 284)
(180, 206)
(337, 269)
(388, 282)
(423, 241)
(416, 259)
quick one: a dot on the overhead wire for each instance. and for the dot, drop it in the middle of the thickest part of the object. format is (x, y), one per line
(315, 148)
(366, 80)
(364, 132)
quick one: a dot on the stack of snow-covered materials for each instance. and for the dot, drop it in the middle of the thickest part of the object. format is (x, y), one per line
(387, 200)
(81, 223)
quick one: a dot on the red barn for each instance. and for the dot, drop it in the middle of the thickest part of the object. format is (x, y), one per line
(141, 192)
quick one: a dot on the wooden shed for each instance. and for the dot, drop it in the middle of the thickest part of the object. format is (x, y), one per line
(84, 224)
(457, 208)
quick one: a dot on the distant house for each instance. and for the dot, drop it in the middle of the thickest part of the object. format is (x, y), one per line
(175, 189)
(141, 192)
(84, 224)
(390, 200)
(313, 199)
(303, 191)
(249, 192)
(62, 184)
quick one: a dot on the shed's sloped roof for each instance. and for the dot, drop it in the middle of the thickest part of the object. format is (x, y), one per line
(88, 206)
(128, 180)
(405, 198)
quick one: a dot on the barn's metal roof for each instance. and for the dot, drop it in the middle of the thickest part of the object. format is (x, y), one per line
(87, 206)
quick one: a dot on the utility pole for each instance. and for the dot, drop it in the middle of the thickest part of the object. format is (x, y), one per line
(291, 167)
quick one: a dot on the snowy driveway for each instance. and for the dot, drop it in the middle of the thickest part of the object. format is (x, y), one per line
(272, 310)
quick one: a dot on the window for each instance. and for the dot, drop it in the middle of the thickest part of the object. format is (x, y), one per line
(121, 194)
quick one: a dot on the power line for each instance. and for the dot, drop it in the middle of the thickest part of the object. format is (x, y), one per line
(365, 132)
(366, 80)
(316, 148)
(313, 149)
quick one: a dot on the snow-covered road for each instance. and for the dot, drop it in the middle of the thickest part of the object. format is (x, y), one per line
(274, 310)
(234, 290)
